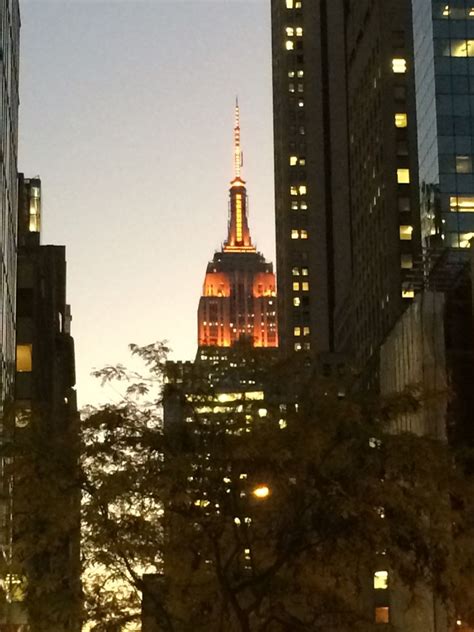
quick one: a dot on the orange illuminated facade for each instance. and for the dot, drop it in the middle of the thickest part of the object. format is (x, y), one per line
(239, 293)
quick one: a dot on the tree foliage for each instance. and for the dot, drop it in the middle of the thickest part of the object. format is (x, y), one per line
(263, 515)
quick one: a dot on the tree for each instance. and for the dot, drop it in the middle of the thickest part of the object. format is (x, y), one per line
(253, 514)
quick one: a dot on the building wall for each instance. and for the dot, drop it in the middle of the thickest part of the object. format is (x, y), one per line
(383, 168)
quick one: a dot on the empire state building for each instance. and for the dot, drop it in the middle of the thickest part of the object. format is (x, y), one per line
(239, 293)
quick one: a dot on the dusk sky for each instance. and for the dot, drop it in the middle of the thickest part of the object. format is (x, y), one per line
(126, 114)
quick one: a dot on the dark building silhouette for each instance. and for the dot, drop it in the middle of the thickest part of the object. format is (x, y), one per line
(239, 290)
(47, 506)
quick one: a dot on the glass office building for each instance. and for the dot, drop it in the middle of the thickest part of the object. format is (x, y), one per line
(444, 71)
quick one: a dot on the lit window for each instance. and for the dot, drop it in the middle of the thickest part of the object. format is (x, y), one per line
(289, 45)
(381, 580)
(382, 615)
(302, 189)
(289, 4)
(290, 31)
(293, 160)
(465, 240)
(291, 73)
(297, 331)
(300, 73)
(303, 206)
(293, 190)
(401, 119)
(295, 234)
(463, 164)
(304, 234)
(291, 87)
(406, 232)
(305, 331)
(305, 286)
(307, 346)
(464, 204)
(296, 301)
(298, 346)
(399, 65)
(446, 11)
(305, 271)
(24, 360)
(301, 103)
(299, 31)
(296, 272)
(471, 12)
(296, 286)
(408, 294)
(406, 261)
(298, 4)
(294, 206)
(403, 176)
(462, 48)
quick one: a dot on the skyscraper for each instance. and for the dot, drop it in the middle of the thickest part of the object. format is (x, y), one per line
(239, 290)
(9, 99)
(311, 170)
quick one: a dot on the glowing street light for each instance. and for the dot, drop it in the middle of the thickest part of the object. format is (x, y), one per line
(261, 492)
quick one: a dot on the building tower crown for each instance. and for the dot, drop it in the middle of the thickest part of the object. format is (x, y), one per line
(238, 238)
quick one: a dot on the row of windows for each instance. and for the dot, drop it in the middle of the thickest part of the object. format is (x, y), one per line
(299, 233)
(293, 4)
(301, 331)
(297, 286)
(441, 9)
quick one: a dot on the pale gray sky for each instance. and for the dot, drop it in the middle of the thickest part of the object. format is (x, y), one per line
(126, 114)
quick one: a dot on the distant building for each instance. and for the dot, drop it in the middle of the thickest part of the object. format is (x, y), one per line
(239, 293)
(46, 407)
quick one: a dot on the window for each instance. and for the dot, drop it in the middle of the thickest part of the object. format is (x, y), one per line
(291, 74)
(297, 331)
(463, 164)
(465, 240)
(304, 234)
(295, 234)
(295, 272)
(408, 294)
(401, 119)
(382, 615)
(399, 65)
(24, 359)
(305, 331)
(299, 31)
(298, 346)
(300, 73)
(463, 204)
(301, 103)
(305, 271)
(293, 160)
(291, 87)
(302, 189)
(406, 261)
(381, 580)
(462, 48)
(296, 301)
(403, 176)
(404, 204)
(289, 4)
(296, 287)
(289, 45)
(406, 232)
(293, 190)
(305, 286)
(294, 206)
(290, 31)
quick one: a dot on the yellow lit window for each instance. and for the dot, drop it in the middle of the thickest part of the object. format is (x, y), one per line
(298, 346)
(296, 301)
(301, 103)
(305, 286)
(446, 11)
(294, 206)
(302, 190)
(305, 331)
(305, 271)
(403, 176)
(300, 73)
(399, 65)
(296, 272)
(406, 261)
(289, 4)
(298, 4)
(381, 580)
(24, 359)
(294, 190)
(291, 87)
(401, 119)
(462, 48)
(406, 232)
(465, 240)
(408, 294)
(304, 234)
(296, 287)
(303, 206)
(464, 204)
(471, 12)
(289, 45)
(382, 615)
(291, 74)
(293, 160)
(290, 31)
(295, 234)
(299, 31)
(297, 331)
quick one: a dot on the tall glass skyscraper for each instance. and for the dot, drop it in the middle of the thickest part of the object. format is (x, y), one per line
(9, 101)
(444, 75)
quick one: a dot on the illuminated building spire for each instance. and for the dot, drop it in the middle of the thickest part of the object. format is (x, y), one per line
(238, 239)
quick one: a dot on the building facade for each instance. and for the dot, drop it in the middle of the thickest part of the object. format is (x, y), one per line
(9, 102)
(46, 422)
(311, 169)
(239, 292)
